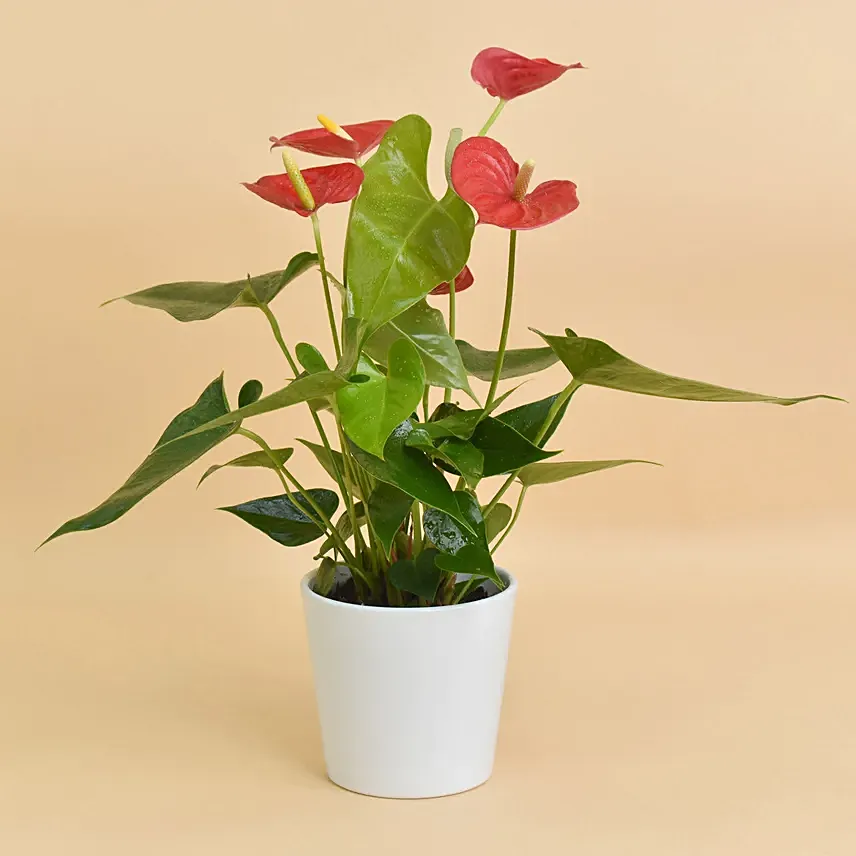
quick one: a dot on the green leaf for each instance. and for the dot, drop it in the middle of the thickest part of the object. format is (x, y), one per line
(174, 451)
(528, 419)
(388, 509)
(402, 242)
(198, 301)
(550, 472)
(250, 392)
(353, 335)
(310, 358)
(251, 459)
(449, 420)
(517, 363)
(461, 456)
(371, 410)
(420, 576)
(328, 460)
(467, 548)
(426, 329)
(497, 520)
(503, 448)
(280, 519)
(302, 389)
(593, 362)
(409, 470)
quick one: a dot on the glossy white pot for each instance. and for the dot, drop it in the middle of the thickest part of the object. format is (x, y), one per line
(409, 699)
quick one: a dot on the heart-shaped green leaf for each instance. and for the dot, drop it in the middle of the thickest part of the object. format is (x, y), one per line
(497, 520)
(388, 509)
(198, 301)
(409, 470)
(528, 419)
(593, 362)
(178, 447)
(420, 576)
(517, 363)
(503, 448)
(549, 472)
(467, 548)
(425, 327)
(310, 358)
(371, 410)
(402, 242)
(251, 459)
(280, 519)
(461, 456)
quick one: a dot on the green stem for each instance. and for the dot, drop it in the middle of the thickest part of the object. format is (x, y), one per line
(470, 584)
(426, 403)
(417, 528)
(277, 334)
(512, 521)
(493, 117)
(506, 320)
(447, 394)
(319, 248)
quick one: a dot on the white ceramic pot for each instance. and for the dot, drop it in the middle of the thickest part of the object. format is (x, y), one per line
(409, 698)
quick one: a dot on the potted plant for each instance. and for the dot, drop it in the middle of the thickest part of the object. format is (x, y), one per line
(408, 615)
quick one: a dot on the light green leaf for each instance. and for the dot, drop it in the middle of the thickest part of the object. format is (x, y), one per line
(198, 301)
(178, 447)
(426, 329)
(497, 520)
(402, 242)
(517, 363)
(251, 459)
(593, 362)
(310, 358)
(370, 410)
(549, 471)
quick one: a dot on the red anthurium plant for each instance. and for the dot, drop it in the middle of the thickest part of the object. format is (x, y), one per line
(418, 450)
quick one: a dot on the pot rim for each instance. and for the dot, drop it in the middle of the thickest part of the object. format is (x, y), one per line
(507, 592)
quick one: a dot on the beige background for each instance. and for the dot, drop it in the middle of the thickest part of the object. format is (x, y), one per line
(681, 678)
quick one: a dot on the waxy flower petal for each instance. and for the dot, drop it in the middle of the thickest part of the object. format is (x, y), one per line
(328, 184)
(462, 282)
(507, 75)
(319, 141)
(484, 175)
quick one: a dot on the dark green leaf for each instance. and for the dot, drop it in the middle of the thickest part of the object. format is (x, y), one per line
(281, 520)
(310, 358)
(426, 329)
(461, 456)
(503, 448)
(518, 363)
(402, 242)
(420, 576)
(252, 459)
(409, 470)
(550, 472)
(528, 419)
(299, 390)
(467, 545)
(593, 362)
(197, 301)
(250, 392)
(172, 453)
(388, 509)
(497, 520)
(371, 410)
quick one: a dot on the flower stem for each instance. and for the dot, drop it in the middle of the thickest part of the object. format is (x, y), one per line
(493, 117)
(316, 229)
(506, 321)
(513, 518)
(447, 394)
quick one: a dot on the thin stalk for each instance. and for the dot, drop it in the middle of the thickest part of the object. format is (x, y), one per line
(493, 117)
(426, 403)
(506, 320)
(416, 513)
(470, 584)
(277, 334)
(447, 394)
(513, 520)
(319, 248)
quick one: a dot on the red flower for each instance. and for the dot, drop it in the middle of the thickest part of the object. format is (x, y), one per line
(320, 141)
(508, 74)
(339, 182)
(485, 175)
(462, 282)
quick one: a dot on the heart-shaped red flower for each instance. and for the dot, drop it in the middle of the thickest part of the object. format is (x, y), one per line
(339, 182)
(508, 75)
(462, 282)
(319, 141)
(485, 175)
